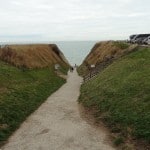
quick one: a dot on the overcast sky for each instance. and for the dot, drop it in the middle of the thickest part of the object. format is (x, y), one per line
(59, 20)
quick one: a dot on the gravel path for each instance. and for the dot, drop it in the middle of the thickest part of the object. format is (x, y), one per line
(57, 125)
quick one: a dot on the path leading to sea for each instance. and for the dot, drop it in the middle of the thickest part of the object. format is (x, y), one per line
(57, 124)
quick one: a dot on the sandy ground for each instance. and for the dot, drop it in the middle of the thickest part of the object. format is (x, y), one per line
(57, 125)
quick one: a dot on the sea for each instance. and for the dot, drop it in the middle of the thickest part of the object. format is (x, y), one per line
(74, 51)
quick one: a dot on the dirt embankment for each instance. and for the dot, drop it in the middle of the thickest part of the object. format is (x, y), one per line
(33, 56)
(105, 52)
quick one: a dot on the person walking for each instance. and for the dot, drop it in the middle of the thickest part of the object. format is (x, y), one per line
(71, 69)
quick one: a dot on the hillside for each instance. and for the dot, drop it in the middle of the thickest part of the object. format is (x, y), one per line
(33, 56)
(120, 97)
(27, 79)
(105, 52)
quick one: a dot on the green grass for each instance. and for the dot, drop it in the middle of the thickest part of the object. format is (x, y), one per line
(82, 70)
(21, 92)
(121, 94)
(121, 45)
(64, 69)
(118, 141)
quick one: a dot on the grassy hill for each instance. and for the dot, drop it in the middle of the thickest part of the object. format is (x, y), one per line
(27, 78)
(120, 96)
(104, 52)
(33, 56)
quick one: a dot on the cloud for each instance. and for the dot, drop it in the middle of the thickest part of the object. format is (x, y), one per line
(73, 19)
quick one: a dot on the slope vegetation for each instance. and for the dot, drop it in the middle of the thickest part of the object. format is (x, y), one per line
(27, 78)
(33, 56)
(103, 52)
(120, 96)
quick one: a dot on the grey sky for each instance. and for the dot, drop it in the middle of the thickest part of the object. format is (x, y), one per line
(51, 20)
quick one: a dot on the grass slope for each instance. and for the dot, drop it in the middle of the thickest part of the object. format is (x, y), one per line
(121, 95)
(21, 92)
(103, 52)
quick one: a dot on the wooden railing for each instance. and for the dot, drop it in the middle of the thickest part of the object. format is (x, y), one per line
(98, 68)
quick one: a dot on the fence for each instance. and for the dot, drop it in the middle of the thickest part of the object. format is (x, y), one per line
(99, 67)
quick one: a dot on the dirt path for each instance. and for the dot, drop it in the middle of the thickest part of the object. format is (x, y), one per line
(57, 125)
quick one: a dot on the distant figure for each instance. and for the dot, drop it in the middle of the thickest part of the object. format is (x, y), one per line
(75, 66)
(71, 69)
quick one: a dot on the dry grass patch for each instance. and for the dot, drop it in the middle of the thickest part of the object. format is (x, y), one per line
(32, 56)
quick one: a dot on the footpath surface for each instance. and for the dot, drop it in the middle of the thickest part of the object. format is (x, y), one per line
(57, 124)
